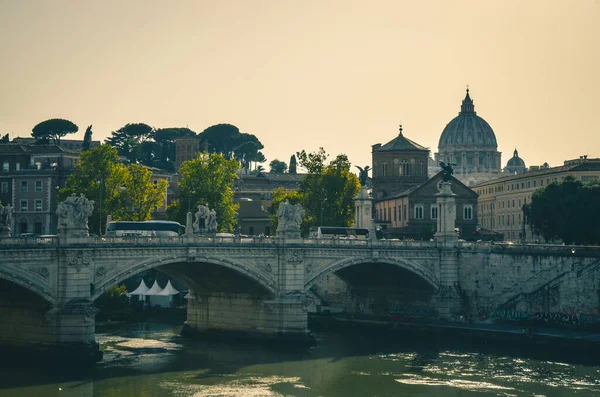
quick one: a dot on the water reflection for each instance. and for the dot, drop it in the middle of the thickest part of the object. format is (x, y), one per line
(154, 361)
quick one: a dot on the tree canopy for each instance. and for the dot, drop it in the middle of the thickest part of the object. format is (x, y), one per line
(326, 193)
(207, 180)
(87, 139)
(53, 129)
(126, 193)
(566, 211)
(227, 140)
(293, 166)
(277, 166)
(5, 139)
(328, 189)
(128, 140)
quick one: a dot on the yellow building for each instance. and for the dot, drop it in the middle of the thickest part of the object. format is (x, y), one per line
(501, 200)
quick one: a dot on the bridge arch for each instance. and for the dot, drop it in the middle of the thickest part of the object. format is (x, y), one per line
(120, 274)
(29, 281)
(404, 264)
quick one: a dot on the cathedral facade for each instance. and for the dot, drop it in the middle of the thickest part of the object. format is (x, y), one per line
(470, 144)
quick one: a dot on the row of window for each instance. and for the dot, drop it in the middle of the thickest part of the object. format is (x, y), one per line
(528, 184)
(24, 205)
(24, 186)
(418, 212)
(404, 169)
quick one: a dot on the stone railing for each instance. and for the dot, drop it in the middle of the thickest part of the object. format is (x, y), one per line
(204, 240)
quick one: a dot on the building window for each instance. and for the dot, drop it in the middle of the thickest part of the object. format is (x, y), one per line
(38, 205)
(24, 186)
(404, 212)
(5, 166)
(468, 212)
(38, 186)
(395, 215)
(23, 205)
(404, 168)
(4, 187)
(389, 214)
(384, 169)
(434, 212)
(418, 212)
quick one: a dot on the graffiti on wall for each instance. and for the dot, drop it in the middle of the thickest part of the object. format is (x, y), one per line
(569, 317)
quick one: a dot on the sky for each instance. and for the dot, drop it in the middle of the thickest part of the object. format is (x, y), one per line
(304, 74)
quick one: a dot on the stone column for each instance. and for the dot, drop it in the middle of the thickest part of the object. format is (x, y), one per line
(364, 211)
(189, 225)
(446, 222)
(447, 298)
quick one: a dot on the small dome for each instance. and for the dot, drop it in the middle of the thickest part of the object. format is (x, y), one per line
(515, 161)
(467, 130)
(515, 165)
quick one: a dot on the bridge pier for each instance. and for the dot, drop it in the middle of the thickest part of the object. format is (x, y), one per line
(257, 317)
(447, 299)
(62, 334)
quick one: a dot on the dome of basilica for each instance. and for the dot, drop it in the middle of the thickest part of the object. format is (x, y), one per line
(469, 143)
(467, 130)
(515, 164)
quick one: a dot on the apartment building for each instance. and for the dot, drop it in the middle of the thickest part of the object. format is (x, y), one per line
(501, 200)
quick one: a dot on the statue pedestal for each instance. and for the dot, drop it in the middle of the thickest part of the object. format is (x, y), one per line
(447, 298)
(446, 221)
(288, 234)
(5, 232)
(364, 211)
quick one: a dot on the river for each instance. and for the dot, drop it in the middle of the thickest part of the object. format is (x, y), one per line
(152, 360)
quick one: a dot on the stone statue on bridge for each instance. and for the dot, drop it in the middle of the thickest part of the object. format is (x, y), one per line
(211, 221)
(204, 221)
(73, 215)
(5, 220)
(289, 218)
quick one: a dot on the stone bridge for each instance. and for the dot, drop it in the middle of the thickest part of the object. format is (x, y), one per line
(263, 286)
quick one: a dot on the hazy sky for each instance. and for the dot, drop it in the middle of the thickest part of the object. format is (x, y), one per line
(309, 73)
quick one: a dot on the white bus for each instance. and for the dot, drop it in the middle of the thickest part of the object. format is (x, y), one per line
(144, 229)
(338, 232)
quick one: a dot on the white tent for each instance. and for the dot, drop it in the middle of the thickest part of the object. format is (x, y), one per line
(155, 290)
(168, 290)
(141, 290)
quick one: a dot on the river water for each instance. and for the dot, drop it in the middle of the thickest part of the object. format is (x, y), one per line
(152, 360)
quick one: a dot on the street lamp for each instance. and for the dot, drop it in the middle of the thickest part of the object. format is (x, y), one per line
(322, 208)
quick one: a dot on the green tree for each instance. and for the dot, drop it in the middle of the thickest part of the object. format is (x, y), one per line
(278, 167)
(141, 194)
(87, 139)
(227, 140)
(292, 164)
(207, 180)
(328, 191)
(128, 140)
(279, 196)
(566, 211)
(221, 138)
(53, 129)
(100, 177)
